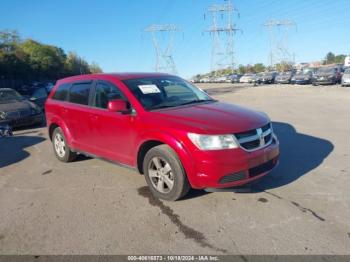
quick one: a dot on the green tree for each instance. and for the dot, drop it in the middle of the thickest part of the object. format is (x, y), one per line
(9, 40)
(95, 68)
(46, 61)
(329, 59)
(258, 68)
(241, 69)
(75, 65)
(284, 66)
(339, 59)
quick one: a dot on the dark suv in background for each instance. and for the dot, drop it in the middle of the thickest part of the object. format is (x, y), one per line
(302, 78)
(327, 76)
(36, 94)
(266, 78)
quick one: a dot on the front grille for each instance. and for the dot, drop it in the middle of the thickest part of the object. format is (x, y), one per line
(232, 178)
(256, 138)
(246, 134)
(251, 145)
(267, 138)
(265, 167)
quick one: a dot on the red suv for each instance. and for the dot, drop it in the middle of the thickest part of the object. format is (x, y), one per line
(164, 127)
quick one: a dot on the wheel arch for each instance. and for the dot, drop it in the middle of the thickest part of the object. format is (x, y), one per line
(67, 134)
(162, 138)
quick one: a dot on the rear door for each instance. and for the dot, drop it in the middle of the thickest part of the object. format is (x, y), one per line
(112, 133)
(76, 114)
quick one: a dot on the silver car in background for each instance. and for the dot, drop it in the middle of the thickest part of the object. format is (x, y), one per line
(284, 77)
(247, 78)
(345, 81)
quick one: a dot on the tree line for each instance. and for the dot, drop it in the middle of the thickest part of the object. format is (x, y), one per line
(29, 60)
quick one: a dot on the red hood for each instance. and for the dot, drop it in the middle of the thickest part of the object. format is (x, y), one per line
(214, 117)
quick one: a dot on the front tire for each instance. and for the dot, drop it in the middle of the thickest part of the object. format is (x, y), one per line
(164, 173)
(61, 148)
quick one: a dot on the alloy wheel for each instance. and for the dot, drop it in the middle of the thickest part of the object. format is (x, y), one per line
(60, 145)
(161, 175)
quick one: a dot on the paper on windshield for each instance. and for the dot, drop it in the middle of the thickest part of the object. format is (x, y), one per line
(149, 89)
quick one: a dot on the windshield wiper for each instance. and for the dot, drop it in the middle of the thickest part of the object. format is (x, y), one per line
(187, 103)
(161, 106)
(197, 101)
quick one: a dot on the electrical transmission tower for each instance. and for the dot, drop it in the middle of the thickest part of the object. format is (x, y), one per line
(278, 33)
(164, 57)
(222, 32)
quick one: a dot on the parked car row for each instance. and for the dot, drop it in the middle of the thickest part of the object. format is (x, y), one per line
(328, 75)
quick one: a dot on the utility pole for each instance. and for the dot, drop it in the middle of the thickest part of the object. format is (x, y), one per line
(278, 40)
(164, 57)
(222, 55)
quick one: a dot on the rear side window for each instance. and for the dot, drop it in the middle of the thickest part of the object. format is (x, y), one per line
(61, 93)
(79, 93)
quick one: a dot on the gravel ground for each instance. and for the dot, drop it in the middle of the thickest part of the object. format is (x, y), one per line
(94, 207)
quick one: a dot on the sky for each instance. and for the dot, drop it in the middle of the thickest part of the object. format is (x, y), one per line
(111, 32)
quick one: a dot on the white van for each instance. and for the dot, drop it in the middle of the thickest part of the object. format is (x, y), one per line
(347, 61)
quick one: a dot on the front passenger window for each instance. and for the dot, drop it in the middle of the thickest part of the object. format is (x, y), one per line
(105, 92)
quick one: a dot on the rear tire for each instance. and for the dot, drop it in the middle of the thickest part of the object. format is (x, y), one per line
(61, 148)
(164, 173)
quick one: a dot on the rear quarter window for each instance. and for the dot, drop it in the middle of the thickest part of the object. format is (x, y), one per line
(61, 92)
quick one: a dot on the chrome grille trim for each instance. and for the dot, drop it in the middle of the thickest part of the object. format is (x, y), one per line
(256, 141)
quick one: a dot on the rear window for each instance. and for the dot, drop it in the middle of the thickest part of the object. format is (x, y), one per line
(61, 93)
(79, 93)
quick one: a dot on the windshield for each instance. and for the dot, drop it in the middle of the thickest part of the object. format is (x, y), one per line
(326, 70)
(267, 74)
(285, 73)
(165, 91)
(303, 73)
(9, 95)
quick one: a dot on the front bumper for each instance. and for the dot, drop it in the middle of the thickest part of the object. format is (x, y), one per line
(24, 121)
(346, 82)
(324, 81)
(301, 81)
(266, 81)
(282, 81)
(235, 167)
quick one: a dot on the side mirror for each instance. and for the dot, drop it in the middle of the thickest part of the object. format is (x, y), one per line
(118, 105)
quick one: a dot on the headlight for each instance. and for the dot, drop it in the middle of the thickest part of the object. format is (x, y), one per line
(330, 77)
(3, 115)
(213, 142)
(293, 79)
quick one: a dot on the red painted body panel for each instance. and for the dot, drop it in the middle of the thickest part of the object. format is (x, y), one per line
(118, 137)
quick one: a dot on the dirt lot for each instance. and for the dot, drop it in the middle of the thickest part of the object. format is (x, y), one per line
(94, 207)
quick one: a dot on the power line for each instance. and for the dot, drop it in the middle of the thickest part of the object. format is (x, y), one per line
(164, 56)
(278, 38)
(222, 55)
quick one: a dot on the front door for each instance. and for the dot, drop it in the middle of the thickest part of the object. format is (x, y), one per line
(112, 133)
